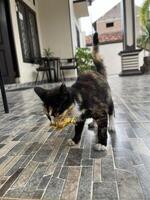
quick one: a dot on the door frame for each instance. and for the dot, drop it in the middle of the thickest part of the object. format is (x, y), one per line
(11, 39)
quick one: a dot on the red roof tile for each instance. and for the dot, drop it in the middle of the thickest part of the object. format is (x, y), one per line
(106, 38)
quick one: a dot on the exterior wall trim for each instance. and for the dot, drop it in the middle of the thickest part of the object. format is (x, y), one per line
(12, 41)
(70, 28)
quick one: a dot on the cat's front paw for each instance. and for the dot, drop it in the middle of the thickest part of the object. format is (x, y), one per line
(70, 142)
(100, 147)
(111, 129)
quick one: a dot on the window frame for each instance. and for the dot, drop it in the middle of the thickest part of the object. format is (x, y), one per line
(28, 10)
(109, 24)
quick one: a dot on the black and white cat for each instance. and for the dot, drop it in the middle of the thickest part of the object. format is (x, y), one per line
(91, 97)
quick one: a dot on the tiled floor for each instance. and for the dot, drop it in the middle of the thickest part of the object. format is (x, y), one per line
(36, 163)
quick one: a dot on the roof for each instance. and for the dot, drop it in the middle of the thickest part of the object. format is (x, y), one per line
(115, 12)
(106, 38)
(111, 37)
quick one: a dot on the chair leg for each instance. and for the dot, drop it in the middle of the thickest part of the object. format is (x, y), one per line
(50, 76)
(43, 76)
(63, 75)
(36, 78)
(55, 76)
(47, 74)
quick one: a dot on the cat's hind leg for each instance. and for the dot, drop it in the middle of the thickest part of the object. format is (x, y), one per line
(102, 133)
(111, 112)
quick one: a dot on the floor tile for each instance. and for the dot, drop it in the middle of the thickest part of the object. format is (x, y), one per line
(37, 163)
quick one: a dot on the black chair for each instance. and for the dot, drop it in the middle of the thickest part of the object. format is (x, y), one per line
(4, 98)
(68, 64)
(43, 69)
(47, 65)
(53, 64)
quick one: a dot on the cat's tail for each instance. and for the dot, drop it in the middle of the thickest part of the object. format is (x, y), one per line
(96, 56)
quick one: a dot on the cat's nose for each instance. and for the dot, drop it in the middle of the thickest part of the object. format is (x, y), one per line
(55, 114)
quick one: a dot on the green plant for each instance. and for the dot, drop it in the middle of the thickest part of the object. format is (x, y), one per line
(84, 59)
(48, 53)
(145, 12)
(144, 40)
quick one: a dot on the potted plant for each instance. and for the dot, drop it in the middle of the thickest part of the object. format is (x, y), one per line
(144, 40)
(48, 53)
(84, 59)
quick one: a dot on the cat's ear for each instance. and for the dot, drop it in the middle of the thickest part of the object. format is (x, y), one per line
(41, 93)
(63, 89)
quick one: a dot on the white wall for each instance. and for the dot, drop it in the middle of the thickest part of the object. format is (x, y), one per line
(74, 22)
(55, 26)
(111, 58)
(27, 70)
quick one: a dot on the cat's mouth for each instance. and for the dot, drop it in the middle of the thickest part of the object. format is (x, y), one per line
(56, 116)
(64, 119)
(48, 112)
(66, 113)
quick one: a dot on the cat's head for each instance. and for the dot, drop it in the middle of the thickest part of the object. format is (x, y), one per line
(55, 101)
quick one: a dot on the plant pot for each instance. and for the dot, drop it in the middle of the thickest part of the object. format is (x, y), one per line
(145, 69)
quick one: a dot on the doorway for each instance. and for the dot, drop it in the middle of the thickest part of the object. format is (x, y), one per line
(8, 58)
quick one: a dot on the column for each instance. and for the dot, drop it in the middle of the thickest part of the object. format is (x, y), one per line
(129, 55)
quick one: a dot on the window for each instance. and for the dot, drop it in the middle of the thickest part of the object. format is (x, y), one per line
(110, 24)
(28, 33)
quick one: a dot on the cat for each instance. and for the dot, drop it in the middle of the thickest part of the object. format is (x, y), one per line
(91, 97)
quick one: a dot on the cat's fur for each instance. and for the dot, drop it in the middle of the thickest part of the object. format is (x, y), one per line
(90, 94)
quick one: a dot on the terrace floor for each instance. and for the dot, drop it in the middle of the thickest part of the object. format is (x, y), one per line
(36, 163)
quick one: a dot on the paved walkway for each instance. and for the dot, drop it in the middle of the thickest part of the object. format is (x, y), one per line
(36, 163)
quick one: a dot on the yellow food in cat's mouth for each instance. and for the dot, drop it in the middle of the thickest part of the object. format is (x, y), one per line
(64, 119)
(61, 123)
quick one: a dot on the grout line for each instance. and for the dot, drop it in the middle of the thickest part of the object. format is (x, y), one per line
(141, 123)
(44, 191)
(117, 189)
(113, 157)
(92, 180)
(78, 182)
(62, 163)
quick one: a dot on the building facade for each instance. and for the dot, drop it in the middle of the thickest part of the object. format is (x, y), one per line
(110, 26)
(111, 30)
(29, 26)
